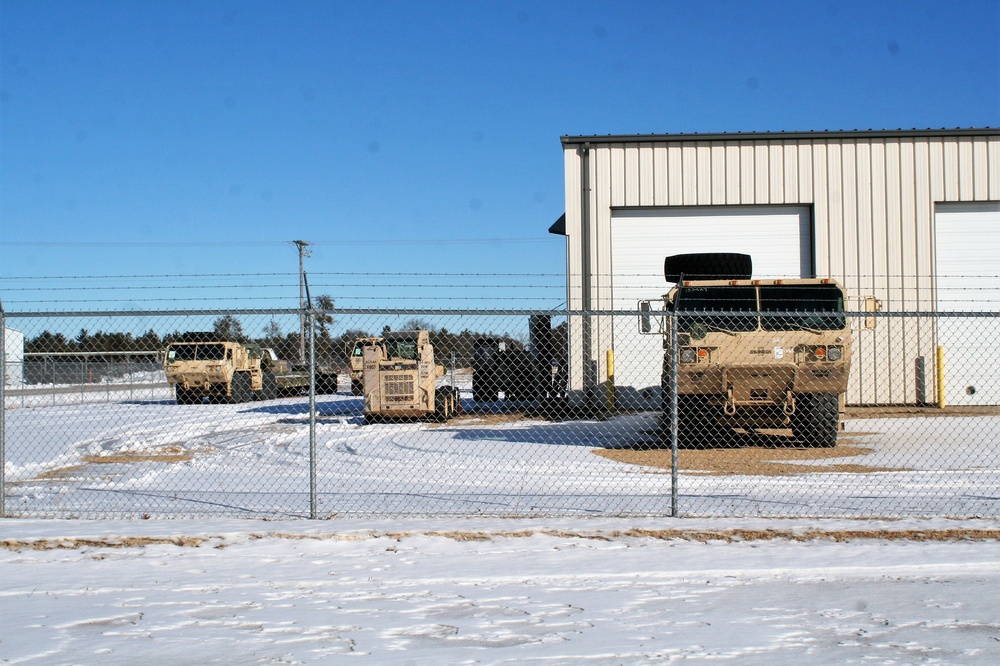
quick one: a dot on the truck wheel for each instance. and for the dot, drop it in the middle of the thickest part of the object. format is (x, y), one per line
(444, 403)
(269, 386)
(239, 390)
(817, 419)
(708, 266)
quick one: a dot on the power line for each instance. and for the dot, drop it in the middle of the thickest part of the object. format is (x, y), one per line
(340, 242)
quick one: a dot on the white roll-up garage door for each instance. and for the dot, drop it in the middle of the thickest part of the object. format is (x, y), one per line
(778, 238)
(968, 280)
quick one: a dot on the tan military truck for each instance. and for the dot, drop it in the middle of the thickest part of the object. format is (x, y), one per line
(738, 366)
(203, 365)
(400, 380)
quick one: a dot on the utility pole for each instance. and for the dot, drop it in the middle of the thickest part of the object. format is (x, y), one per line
(303, 253)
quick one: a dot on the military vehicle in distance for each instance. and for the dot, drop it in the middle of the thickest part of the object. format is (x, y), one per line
(400, 379)
(743, 367)
(204, 365)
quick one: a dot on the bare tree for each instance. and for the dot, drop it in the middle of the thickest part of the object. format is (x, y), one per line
(229, 328)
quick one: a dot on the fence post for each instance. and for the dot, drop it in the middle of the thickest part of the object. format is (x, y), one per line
(610, 386)
(312, 414)
(674, 360)
(942, 401)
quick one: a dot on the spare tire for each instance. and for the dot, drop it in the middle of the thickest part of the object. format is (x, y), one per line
(708, 266)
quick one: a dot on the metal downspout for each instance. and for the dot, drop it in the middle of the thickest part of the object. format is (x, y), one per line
(586, 276)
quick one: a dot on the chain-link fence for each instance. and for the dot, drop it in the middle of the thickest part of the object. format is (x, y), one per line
(716, 409)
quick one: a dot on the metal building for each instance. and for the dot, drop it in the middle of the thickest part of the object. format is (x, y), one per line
(911, 217)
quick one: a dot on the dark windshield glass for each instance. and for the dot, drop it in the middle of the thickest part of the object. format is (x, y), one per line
(204, 352)
(811, 300)
(402, 348)
(717, 299)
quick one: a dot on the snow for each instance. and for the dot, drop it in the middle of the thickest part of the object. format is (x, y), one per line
(588, 575)
(495, 591)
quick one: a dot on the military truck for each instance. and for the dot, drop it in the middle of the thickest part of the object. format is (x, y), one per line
(736, 366)
(204, 365)
(400, 379)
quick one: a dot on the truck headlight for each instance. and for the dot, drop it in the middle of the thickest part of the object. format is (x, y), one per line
(834, 353)
(689, 355)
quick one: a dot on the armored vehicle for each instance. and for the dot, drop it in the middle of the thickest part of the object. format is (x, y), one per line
(751, 353)
(204, 365)
(400, 379)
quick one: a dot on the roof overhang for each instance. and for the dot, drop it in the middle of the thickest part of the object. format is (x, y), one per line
(783, 136)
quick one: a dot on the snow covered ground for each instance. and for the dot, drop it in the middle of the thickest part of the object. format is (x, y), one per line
(496, 591)
(597, 581)
(147, 456)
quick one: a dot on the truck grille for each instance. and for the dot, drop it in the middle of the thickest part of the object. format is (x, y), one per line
(397, 387)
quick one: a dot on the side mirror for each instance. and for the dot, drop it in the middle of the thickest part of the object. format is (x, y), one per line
(645, 322)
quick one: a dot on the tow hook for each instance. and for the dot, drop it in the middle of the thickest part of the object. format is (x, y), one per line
(730, 407)
(789, 406)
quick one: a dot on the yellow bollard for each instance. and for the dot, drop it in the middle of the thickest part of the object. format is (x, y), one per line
(610, 385)
(942, 402)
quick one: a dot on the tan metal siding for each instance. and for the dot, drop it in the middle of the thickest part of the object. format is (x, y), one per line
(660, 166)
(993, 166)
(747, 173)
(981, 173)
(675, 187)
(718, 173)
(732, 173)
(647, 175)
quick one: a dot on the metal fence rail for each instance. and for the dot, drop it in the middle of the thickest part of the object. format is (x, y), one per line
(613, 413)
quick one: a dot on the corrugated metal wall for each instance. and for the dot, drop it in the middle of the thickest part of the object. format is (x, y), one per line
(872, 197)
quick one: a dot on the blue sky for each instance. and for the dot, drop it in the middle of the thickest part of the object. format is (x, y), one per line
(163, 154)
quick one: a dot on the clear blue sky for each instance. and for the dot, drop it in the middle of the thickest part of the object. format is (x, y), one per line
(142, 140)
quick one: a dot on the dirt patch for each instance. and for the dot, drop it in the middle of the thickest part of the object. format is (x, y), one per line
(169, 454)
(906, 411)
(71, 543)
(474, 419)
(751, 460)
(679, 534)
(60, 473)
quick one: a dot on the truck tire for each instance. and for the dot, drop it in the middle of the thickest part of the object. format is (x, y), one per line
(269, 386)
(239, 388)
(445, 403)
(708, 266)
(816, 419)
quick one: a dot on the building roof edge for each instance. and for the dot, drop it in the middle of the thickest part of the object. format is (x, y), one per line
(789, 135)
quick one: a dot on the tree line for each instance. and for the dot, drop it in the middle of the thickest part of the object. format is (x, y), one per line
(329, 348)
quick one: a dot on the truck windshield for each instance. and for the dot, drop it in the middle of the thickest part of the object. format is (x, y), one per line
(402, 348)
(694, 300)
(811, 300)
(202, 352)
